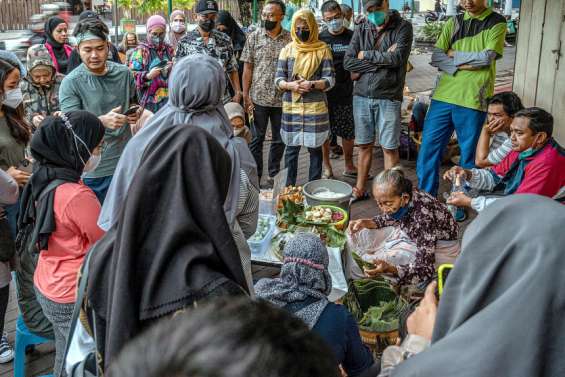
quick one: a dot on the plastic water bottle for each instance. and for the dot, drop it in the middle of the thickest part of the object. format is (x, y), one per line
(458, 185)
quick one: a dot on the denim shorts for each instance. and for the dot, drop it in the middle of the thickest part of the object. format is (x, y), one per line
(377, 118)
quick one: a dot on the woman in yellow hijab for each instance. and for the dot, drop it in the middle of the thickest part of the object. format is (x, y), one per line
(304, 73)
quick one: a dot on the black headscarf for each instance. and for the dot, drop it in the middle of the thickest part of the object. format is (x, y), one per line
(50, 26)
(58, 154)
(233, 30)
(171, 245)
(58, 48)
(502, 310)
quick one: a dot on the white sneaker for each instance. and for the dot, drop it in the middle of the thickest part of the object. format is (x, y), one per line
(6, 351)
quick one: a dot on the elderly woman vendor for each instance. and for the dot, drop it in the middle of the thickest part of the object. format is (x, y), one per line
(419, 226)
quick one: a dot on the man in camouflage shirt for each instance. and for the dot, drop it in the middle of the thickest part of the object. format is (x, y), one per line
(40, 87)
(260, 95)
(208, 41)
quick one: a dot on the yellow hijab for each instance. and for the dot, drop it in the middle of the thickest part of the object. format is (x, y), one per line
(307, 55)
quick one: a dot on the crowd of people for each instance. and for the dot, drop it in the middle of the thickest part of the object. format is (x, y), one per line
(130, 179)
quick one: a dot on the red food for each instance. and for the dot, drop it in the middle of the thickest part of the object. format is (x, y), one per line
(337, 216)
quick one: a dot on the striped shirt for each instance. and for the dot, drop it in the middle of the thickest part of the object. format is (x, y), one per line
(500, 147)
(305, 120)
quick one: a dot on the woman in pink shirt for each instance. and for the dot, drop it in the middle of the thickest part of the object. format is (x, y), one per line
(64, 212)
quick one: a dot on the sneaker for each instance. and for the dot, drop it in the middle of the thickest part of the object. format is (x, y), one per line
(6, 351)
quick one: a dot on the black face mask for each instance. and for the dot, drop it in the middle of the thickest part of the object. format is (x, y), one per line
(303, 35)
(270, 25)
(207, 25)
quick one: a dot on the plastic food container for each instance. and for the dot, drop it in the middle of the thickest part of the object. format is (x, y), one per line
(260, 247)
(342, 190)
(266, 202)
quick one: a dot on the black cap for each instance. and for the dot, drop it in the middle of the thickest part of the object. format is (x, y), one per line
(206, 6)
(88, 14)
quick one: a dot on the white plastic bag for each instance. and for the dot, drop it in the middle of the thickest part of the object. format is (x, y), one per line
(335, 268)
(388, 244)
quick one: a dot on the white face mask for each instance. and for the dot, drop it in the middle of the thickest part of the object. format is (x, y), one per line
(178, 26)
(13, 98)
(92, 163)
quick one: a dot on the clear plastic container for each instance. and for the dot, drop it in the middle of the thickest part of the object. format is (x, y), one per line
(260, 247)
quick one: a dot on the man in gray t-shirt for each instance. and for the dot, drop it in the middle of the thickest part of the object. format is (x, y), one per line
(106, 89)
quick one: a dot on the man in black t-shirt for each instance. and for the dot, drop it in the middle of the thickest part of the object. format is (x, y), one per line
(340, 98)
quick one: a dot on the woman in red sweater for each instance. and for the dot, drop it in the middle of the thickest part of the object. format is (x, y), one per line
(64, 212)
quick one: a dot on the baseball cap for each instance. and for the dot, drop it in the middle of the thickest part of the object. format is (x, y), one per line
(371, 3)
(206, 6)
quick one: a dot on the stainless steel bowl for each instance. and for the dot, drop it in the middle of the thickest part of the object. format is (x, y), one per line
(312, 188)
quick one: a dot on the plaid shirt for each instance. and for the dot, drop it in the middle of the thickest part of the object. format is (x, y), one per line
(305, 119)
(219, 47)
(262, 52)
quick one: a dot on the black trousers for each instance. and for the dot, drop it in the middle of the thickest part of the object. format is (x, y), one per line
(4, 298)
(291, 162)
(261, 116)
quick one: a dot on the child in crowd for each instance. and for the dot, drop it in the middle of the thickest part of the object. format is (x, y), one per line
(237, 120)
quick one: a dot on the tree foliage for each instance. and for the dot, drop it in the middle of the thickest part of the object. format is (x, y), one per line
(154, 6)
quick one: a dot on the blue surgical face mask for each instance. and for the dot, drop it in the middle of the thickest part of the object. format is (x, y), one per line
(335, 26)
(401, 213)
(377, 18)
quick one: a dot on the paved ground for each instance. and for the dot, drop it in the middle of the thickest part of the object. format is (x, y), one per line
(421, 79)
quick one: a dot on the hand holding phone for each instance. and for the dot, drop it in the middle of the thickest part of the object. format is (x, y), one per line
(442, 274)
(132, 110)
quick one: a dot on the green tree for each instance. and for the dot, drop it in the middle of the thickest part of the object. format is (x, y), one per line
(154, 6)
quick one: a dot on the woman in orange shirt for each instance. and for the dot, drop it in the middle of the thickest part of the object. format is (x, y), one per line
(65, 216)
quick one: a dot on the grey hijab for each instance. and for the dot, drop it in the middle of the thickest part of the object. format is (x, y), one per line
(196, 89)
(503, 308)
(304, 283)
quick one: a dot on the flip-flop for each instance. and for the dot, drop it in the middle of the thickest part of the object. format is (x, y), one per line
(350, 174)
(328, 174)
(355, 197)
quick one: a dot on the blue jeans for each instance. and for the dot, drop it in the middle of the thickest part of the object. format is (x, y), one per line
(441, 120)
(291, 163)
(99, 186)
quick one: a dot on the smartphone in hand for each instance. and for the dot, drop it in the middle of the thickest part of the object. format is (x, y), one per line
(442, 274)
(132, 110)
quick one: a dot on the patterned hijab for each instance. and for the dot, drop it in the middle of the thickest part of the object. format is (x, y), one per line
(307, 55)
(304, 283)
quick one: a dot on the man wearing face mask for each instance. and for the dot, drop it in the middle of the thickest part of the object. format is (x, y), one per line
(151, 63)
(347, 17)
(205, 39)
(536, 164)
(377, 59)
(105, 89)
(465, 55)
(40, 87)
(340, 97)
(260, 56)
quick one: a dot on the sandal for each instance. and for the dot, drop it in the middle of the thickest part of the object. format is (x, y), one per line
(358, 195)
(350, 174)
(328, 174)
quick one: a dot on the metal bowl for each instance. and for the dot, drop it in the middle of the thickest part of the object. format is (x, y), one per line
(312, 188)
